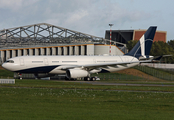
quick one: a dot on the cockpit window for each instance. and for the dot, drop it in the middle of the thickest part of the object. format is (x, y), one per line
(9, 61)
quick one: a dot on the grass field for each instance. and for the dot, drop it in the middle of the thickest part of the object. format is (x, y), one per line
(39, 99)
(43, 100)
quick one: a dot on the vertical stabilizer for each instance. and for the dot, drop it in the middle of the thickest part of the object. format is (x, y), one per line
(143, 47)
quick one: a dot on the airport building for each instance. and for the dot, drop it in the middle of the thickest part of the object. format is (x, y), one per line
(124, 36)
(81, 49)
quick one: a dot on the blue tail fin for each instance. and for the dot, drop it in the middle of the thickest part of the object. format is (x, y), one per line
(143, 47)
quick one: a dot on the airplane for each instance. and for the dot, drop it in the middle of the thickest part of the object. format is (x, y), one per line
(82, 66)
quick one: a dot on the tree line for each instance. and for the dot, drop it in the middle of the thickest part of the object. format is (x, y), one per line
(158, 48)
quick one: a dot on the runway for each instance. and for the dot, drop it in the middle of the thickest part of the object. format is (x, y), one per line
(101, 89)
(122, 84)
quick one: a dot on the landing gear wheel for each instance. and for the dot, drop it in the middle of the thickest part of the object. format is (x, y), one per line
(87, 79)
(92, 79)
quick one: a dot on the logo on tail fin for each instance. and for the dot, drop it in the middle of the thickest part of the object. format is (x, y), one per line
(143, 47)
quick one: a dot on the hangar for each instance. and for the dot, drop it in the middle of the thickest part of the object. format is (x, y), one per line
(47, 39)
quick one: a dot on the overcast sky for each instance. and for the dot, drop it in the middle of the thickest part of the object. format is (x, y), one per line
(90, 16)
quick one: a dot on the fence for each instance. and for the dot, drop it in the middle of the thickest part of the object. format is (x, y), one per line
(7, 81)
(116, 76)
(159, 73)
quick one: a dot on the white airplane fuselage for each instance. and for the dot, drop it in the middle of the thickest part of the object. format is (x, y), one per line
(56, 64)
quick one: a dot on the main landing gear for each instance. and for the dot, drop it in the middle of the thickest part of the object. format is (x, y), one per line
(20, 76)
(89, 79)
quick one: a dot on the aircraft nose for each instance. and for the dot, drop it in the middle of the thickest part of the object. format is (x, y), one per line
(11, 66)
(4, 65)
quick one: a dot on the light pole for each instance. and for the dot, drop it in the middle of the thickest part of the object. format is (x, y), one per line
(110, 37)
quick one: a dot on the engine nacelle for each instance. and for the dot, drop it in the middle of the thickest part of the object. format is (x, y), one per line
(76, 73)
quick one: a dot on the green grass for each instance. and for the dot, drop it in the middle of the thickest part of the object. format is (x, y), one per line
(5, 74)
(47, 103)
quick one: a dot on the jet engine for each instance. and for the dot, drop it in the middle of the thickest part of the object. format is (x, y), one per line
(76, 73)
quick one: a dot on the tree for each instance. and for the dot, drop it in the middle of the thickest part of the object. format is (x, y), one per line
(171, 43)
(160, 48)
(131, 44)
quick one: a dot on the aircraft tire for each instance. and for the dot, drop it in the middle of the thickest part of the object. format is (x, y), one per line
(87, 79)
(92, 78)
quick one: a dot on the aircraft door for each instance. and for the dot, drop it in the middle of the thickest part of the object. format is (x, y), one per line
(46, 61)
(21, 61)
(94, 60)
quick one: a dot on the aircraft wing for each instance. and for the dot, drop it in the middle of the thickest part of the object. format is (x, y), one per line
(92, 66)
